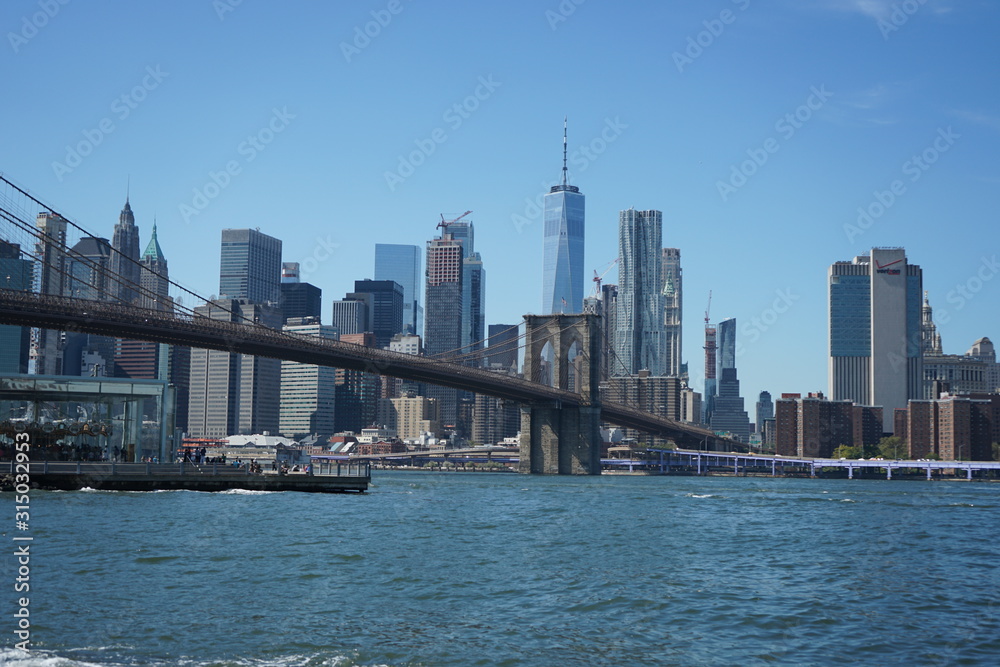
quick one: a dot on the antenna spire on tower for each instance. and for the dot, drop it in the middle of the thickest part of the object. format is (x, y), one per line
(565, 122)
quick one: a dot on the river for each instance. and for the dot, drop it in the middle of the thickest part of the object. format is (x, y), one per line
(504, 569)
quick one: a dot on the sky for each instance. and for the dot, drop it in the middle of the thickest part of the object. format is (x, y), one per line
(776, 138)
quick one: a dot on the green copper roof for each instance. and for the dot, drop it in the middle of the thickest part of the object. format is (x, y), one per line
(153, 250)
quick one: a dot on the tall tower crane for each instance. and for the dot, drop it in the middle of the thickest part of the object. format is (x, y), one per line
(444, 223)
(708, 307)
(598, 278)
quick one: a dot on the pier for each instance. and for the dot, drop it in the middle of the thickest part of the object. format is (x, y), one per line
(72, 476)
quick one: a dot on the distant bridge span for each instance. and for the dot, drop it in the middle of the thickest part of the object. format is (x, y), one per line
(121, 321)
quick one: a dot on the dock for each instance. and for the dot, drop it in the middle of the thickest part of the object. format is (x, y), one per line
(73, 476)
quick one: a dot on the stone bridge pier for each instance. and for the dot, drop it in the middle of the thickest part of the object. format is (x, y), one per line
(558, 439)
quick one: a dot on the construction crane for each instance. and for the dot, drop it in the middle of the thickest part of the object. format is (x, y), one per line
(444, 223)
(598, 278)
(708, 307)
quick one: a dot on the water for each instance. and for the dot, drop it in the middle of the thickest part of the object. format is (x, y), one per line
(495, 569)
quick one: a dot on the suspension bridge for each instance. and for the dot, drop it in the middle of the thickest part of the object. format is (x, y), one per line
(560, 426)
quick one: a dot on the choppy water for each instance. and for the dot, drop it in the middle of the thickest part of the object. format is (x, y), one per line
(493, 569)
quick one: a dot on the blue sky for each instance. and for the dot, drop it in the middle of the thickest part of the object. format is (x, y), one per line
(758, 128)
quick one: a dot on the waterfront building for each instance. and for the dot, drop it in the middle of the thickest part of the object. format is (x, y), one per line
(812, 426)
(562, 246)
(868, 423)
(234, 393)
(412, 416)
(385, 313)
(951, 427)
(401, 264)
(308, 392)
(50, 278)
(299, 299)
(124, 260)
(250, 266)
(15, 342)
(673, 309)
(875, 355)
(639, 334)
(444, 310)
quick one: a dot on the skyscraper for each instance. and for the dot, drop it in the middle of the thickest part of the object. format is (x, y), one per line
(15, 274)
(673, 309)
(351, 315)
(88, 268)
(727, 412)
(234, 393)
(50, 278)
(444, 309)
(386, 313)
(154, 277)
(299, 299)
(401, 263)
(765, 409)
(711, 369)
(308, 392)
(562, 246)
(640, 336)
(875, 331)
(124, 260)
(503, 345)
(250, 266)
(473, 287)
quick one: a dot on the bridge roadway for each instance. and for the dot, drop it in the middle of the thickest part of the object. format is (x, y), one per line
(121, 321)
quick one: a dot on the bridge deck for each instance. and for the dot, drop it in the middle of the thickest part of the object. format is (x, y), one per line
(112, 319)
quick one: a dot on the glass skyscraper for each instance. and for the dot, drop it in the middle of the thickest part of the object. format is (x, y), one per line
(401, 263)
(875, 331)
(727, 409)
(250, 267)
(562, 247)
(640, 335)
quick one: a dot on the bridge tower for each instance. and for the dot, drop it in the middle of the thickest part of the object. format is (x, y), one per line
(558, 439)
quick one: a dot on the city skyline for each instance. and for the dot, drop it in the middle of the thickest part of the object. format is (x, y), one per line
(885, 110)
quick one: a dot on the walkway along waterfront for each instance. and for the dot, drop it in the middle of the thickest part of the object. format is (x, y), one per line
(330, 478)
(679, 461)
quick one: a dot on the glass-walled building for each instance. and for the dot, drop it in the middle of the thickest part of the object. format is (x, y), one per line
(87, 419)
